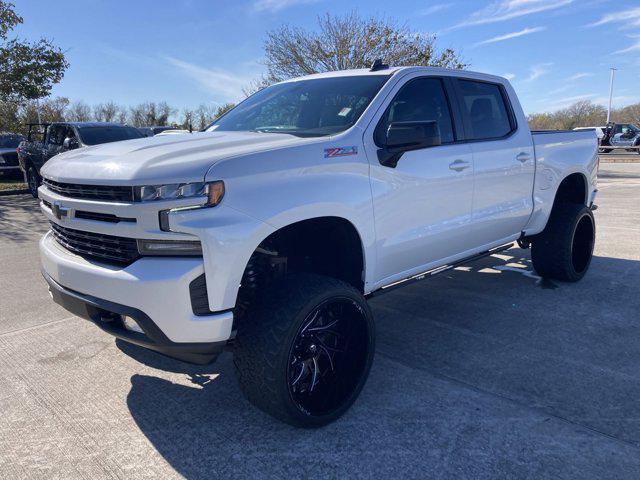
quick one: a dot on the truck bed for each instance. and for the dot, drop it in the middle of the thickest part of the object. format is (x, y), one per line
(565, 147)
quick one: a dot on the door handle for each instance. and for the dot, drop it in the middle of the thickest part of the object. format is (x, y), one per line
(459, 165)
(523, 157)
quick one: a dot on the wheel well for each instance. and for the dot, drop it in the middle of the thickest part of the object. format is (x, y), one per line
(573, 189)
(326, 245)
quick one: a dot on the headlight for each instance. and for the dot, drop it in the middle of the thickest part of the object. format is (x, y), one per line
(214, 191)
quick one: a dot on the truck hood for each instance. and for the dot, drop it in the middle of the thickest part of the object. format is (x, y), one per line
(158, 160)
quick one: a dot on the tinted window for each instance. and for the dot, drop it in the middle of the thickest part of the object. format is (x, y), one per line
(10, 141)
(485, 110)
(422, 100)
(56, 134)
(113, 133)
(322, 106)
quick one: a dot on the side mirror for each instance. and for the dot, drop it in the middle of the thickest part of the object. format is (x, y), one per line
(406, 136)
(70, 143)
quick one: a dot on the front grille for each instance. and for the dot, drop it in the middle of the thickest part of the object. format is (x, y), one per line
(97, 246)
(91, 192)
(102, 217)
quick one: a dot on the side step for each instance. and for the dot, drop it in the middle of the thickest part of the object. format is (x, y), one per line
(435, 271)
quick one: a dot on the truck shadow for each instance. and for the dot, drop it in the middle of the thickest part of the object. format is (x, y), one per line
(485, 351)
(21, 220)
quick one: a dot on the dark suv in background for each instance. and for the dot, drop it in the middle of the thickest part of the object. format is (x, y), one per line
(8, 155)
(48, 139)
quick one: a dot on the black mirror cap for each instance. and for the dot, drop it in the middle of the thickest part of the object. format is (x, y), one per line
(406, 136)
(413, 135)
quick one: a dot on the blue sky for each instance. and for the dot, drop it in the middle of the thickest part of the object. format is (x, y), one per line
(189, 52)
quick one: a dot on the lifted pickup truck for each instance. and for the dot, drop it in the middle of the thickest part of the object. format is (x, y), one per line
(48, 139)
(267, 232)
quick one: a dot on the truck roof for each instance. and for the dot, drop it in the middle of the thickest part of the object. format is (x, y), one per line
(80, 124)
(395, 70)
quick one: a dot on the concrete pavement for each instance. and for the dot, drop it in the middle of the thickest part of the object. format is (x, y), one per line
(480, 372)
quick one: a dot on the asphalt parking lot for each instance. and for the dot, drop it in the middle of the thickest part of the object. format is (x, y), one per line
(481, 372)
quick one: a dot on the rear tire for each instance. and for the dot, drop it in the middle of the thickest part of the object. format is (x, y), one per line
(33, 181)
(564, 249)
(305, 349)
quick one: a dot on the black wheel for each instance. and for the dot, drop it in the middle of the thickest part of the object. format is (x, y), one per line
(33, 181)
(564, 249)
(304, 351)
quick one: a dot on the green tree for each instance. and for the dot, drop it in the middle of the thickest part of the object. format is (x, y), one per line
(28, 70)
(349, 41)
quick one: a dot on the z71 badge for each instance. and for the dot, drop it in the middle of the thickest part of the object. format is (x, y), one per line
(340, 151)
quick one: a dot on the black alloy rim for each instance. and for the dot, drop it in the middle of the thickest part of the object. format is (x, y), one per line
(582, 247)
(328, 357)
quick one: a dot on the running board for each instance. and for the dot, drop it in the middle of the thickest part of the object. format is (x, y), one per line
(435, 271)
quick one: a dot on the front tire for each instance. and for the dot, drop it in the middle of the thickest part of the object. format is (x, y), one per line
(305, 349)
(564, 249)
(33, 181)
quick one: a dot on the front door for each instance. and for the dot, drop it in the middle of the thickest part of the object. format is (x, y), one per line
(422, 206)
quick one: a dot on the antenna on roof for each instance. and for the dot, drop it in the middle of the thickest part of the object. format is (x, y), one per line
(378, 65)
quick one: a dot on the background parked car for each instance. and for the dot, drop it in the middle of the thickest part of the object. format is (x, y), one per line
(48, 139)
(8, 155)
(599, 131)
(155, 130)
(624, 136)
(173, 132)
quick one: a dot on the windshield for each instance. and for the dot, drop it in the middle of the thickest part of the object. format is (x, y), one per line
(317, 107)
(112, 133)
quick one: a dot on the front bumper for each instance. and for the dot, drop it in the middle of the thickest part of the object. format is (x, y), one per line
(158, 287)
(108, 316)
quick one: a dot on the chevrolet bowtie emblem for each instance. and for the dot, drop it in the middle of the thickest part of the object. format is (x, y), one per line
(59, 211)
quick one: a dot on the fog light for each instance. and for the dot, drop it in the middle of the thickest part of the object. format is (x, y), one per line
(131, 325)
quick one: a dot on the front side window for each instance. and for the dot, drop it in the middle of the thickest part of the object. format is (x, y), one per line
(420, 100)
(317, 107)
(56, 134)
(108, 134)
(484, 107)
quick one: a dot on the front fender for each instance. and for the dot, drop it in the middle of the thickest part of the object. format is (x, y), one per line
(228, 239)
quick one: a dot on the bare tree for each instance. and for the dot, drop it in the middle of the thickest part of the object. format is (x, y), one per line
(349, 41)
(580, 114)
(150, 113)
(222, 109)
(78, 112)
(106, 112)
(629, 114)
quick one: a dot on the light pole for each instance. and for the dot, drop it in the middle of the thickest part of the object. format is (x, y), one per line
(613, 74)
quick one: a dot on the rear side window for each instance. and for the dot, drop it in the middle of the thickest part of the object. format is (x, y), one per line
(423, 100)
(485, 110)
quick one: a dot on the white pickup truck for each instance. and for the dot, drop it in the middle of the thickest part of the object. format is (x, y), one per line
(267, 232)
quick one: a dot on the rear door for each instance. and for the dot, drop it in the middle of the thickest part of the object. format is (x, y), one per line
(422, 206)
(503, 159)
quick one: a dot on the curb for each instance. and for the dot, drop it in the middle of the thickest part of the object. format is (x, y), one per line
(620, 160)
(4, 193)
